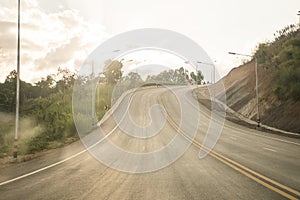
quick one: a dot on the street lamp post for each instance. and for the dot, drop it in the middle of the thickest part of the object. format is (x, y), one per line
(213, 71)
(16, 145)
(93, 96)
(200, 62)
(256, 84)
(197, 78)
(190, 62)
(123, 61)
(213, 77)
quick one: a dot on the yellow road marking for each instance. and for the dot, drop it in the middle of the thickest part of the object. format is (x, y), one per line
(237, 166)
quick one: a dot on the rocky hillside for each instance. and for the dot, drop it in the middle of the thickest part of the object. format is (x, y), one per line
(279, 83)
(240, 96)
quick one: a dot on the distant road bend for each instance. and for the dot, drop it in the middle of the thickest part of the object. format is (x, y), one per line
(244, 164)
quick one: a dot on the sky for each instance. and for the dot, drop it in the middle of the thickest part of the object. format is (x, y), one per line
(62, 33)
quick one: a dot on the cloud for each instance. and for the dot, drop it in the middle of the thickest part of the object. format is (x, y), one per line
(48, 40)
(59, 55)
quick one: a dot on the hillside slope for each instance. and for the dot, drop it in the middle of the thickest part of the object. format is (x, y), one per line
(279, 82)
(240, 96)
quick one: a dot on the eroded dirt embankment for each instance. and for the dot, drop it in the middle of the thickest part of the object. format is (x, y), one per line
(240, 96)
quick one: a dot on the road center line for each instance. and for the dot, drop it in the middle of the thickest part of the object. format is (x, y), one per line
(265, 181)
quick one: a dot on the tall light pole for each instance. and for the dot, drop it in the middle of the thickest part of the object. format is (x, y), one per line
(123, 61)
(93, 95)
(16, 145)
(213, 77)
(190, 62)
(205, 63)
(213, 71)
(256, 84)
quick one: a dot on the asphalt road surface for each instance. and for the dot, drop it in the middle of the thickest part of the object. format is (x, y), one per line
(244, 163)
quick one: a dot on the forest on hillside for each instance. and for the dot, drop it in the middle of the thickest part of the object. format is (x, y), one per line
(281, 58)
(278, 82)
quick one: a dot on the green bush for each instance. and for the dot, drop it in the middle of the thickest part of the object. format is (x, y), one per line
(295, 91)
(37, 143)
(282, 58)
(279, 93)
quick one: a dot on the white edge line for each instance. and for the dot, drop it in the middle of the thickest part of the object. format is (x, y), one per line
(55, 164)
(42, 169)
(62, 161)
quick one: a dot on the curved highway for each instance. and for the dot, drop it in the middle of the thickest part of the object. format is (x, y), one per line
(244, 163)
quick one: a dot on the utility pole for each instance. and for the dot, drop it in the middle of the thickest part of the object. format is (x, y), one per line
(93, 95)
(256, 85)
(213, 77)
(197, 78)
(256, 89)
(16, 145)
(213, 70)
